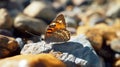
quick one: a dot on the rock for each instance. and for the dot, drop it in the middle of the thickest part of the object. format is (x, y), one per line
(5, 19)
(13, 7)
(116, 26)
(117, 56)
(40, 60)
(98, 33)
(82, 29)
(117, 63)
(24, 23)
(6, 32)
(41, 10)
(77, 2)
(102, 26)
(109, 36)
(96, 18)
(108, 32)
(59, 5)
(20, 42)
(115, 45)
(71, 22)
(36, 48)
(78, 48)
(8, 45)
(113, 10)
(95, 36)
(71, 25)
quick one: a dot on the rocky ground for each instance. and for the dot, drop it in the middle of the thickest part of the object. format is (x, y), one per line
(94, 27)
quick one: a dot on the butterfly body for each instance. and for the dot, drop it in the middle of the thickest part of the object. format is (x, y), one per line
(56, 31)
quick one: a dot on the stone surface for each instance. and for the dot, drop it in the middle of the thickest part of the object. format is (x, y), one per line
(95, 18)
(40, 60)
(82, 29)
(117, 63)
(97, 34)
(6, 32)
(77, 2)
(109, 35)
(24, 23)
(5, 19)
(109, 32)
(40, 9)
(98, 20)
(113, 11)
(7, 46)
(95, 37)
(20, 42)
(71, 24)
(59, 5)
(116, 26)
(115, 45)
(78, 48)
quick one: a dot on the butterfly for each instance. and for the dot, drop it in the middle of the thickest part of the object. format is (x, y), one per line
(56, 30)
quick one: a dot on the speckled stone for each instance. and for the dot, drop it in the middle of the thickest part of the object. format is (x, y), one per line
(78, 48)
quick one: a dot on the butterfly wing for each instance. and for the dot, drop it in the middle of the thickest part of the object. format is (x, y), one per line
(56, 31)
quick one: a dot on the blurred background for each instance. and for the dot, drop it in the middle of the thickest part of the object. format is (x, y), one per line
(99, 20)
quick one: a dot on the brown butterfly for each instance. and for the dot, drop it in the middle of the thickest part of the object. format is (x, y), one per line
(56, 31)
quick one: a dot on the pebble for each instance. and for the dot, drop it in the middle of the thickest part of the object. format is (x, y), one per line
(8, 46)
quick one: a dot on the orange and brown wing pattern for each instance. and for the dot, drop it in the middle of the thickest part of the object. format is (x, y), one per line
(56, 31)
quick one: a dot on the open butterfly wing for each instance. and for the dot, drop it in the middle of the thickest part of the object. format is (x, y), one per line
(56, 31)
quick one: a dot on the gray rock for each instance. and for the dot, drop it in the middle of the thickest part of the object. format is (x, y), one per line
(113, 11)
(25, 23)
(6, 32)
(71, 25)
(76, 51)
(40, 9)
(36, 48)
(71, 22)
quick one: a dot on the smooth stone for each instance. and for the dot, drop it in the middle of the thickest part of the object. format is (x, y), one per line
(5, 19)
(24, 23)
(40, 9)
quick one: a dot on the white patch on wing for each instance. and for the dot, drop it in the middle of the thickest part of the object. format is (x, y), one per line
(53, 23)
(60, 21)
